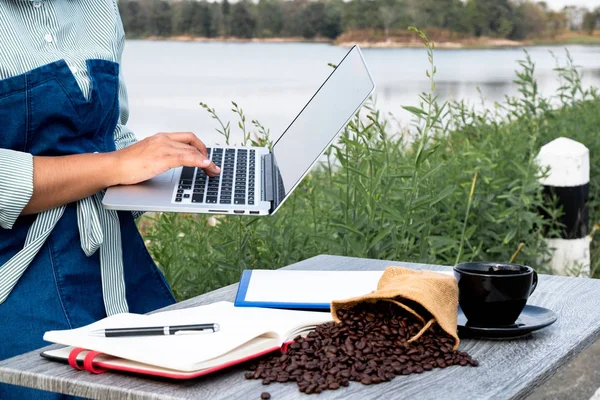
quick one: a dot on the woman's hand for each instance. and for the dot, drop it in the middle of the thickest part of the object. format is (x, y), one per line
(159, 153)
(64, 179)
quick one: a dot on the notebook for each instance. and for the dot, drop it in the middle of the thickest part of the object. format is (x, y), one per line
(310, 290)
(244, 334)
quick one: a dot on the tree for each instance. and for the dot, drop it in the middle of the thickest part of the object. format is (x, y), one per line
(589, 22)
(557, 23)
(269, 18)
(135, 19)
(183, 17)
(160, 18)
(574, 17)
(217, 22)
(292, 23)
(332, 24)
(361, 14)
(203, 16)
(491, 17)
(312, 17)
(226, 11)
(530, 20)
(456, 17)
(389, 13)
(242, 23)
(225, 7)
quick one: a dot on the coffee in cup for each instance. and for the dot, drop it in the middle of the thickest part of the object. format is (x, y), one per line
(493, 293)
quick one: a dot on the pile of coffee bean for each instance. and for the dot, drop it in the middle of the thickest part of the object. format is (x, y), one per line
(369, 345)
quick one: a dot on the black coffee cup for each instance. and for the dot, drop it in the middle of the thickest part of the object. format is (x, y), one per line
(492, 293)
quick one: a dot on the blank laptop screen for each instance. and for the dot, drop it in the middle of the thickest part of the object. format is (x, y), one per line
(334, 104)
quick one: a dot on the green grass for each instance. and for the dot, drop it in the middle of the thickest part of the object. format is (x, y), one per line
(579, 39)
(378, 195)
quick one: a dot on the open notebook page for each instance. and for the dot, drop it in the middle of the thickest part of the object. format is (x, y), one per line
(187, 352)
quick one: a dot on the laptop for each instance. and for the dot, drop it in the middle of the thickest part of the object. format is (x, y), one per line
(258, 180)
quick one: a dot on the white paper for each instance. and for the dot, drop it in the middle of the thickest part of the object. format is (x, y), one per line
(311, 287)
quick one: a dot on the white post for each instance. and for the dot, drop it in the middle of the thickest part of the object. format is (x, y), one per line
(568, 179)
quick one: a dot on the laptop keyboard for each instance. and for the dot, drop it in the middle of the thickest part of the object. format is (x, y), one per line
(234, 185)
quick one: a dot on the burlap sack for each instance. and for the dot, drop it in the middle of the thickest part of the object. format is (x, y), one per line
(431, 297)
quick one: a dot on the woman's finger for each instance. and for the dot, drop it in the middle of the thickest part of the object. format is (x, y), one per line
(188, 156)
(188, 138)
(186, 149)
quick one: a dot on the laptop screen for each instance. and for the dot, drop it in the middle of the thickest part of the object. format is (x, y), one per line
(319, 122)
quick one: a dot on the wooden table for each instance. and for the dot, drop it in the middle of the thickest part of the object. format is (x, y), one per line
(508, 369)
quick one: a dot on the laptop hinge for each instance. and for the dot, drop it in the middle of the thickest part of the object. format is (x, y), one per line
(268, 191)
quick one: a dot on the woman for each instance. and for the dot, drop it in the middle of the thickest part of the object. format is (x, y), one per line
(64, 260)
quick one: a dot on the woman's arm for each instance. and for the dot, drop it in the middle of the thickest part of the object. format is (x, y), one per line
(62, 180)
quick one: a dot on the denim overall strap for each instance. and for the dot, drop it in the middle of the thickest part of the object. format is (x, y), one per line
(60, 121)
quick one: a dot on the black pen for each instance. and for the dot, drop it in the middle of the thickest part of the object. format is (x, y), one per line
(157, 330)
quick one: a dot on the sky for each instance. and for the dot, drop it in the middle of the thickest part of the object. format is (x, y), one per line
(558, 4)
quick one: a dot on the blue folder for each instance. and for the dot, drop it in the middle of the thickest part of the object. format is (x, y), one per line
(240, 298)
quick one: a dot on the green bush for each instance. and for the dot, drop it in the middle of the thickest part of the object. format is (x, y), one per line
(463, 185)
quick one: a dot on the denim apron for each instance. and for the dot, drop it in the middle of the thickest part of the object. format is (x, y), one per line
(44, 112)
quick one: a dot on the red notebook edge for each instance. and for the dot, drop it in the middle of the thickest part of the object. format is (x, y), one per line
(97, 367)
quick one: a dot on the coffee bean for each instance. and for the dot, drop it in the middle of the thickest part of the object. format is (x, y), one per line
(265, 395)
(292, 367)
(369, 345)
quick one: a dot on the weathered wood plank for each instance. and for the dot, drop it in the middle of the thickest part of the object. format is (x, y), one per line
(508, 369)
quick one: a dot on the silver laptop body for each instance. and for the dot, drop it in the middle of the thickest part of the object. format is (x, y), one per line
(256, 180)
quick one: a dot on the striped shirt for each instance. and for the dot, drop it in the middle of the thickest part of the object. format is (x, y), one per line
(35, 33)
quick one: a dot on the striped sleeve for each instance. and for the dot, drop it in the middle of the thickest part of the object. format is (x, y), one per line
(124, 136)
(16, 185)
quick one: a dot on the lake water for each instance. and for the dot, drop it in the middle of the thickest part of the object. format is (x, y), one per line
(272, 82)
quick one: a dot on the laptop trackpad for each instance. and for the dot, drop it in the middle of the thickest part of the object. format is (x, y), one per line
(160, 180)
(166, 177)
